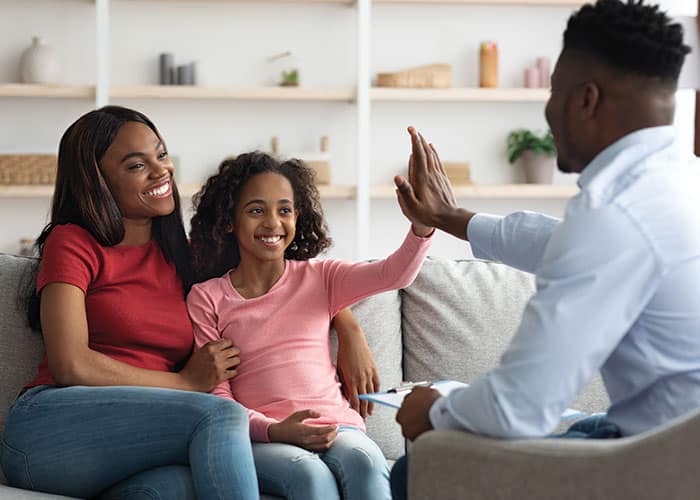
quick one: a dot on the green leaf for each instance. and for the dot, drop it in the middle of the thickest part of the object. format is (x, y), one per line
(522, 140)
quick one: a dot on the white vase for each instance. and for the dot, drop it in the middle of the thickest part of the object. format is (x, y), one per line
(39, 63)
(538, 167)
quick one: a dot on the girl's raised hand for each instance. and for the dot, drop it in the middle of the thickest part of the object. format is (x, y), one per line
(427, 194)
(293, 430)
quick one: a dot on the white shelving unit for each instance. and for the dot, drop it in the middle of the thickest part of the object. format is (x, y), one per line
(361, 96)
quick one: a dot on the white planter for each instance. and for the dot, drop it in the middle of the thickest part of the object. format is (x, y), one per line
(39, 64)
(538, 168)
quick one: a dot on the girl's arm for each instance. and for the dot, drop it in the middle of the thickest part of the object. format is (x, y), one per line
(356, 366)
(204, 324)
(350, 282)
(72, 361)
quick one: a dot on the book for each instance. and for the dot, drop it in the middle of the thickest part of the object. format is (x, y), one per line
(394, 397)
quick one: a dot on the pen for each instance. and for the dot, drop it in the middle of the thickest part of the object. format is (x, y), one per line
(410, 385)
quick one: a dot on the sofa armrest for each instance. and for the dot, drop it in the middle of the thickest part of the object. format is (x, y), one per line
(657, 464)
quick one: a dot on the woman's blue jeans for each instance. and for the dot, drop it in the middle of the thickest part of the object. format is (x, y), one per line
(129, 442)
(353, 466)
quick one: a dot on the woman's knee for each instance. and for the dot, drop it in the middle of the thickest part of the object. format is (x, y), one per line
(224, 412)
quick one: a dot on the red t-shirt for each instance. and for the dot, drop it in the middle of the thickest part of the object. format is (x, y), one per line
(134, 300)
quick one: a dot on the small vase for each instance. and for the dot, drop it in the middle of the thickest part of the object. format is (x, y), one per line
(538, 167)
(39, 63)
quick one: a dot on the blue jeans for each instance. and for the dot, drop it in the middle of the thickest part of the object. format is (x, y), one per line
(595, 426)
(354, 465)
(128, 442)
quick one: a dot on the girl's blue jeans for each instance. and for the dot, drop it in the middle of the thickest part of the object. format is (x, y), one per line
(354, 468)
(128, 443)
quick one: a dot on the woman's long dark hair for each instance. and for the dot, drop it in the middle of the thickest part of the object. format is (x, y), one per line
(82, 195)
(215, 248)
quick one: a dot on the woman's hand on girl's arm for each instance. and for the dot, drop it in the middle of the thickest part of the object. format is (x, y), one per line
(356, 366)
(73, 362)
(293, 430)
(213, 363)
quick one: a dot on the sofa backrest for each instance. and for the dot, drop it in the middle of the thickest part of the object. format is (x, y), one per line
(22, 348)
(457, 318)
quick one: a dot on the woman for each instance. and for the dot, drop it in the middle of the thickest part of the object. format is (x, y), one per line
(118, 409)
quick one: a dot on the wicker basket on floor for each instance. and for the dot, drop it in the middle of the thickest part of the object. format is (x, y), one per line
(27, 169)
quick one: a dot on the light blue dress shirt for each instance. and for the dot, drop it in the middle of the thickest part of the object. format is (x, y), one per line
(618, 290)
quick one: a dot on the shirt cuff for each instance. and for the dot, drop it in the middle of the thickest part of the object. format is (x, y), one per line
(480, 234)
(440, 416)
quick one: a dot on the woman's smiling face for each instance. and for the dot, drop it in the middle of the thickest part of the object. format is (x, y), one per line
(139, 172)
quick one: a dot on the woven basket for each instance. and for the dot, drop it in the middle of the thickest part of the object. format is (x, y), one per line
(429, 76)
(27, 169)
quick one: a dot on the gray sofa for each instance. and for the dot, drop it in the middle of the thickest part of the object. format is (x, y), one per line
(452, 323)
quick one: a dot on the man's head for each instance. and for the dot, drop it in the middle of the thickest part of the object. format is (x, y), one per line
(617, 73)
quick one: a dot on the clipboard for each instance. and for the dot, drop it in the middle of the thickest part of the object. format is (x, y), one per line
(394, 396)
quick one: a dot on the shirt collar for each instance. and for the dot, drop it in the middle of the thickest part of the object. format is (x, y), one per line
(653, 138)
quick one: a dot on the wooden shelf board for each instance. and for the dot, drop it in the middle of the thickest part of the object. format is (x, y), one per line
(341, 2)
(40, 90)
(254, 93)
(553, 3)
(327, 191)
(502, 191)
(459, 94)
(186, 190)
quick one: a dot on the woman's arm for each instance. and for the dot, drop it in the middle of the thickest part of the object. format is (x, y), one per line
(73, 362)
(356, 366)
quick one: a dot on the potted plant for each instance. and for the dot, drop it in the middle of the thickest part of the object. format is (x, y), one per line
(535, 153)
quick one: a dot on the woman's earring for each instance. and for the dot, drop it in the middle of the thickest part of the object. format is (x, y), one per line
(294, 246)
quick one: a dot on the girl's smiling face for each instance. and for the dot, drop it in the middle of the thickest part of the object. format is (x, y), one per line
(265, 218)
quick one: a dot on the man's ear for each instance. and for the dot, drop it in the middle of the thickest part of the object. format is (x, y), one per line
(591, 100)
(229, 228)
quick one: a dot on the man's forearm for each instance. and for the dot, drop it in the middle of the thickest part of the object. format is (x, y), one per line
(454, 222)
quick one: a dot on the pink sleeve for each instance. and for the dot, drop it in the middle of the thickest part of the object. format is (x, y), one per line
(349, 282)
(203, 316)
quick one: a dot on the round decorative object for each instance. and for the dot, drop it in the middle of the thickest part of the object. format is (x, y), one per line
(39, 63)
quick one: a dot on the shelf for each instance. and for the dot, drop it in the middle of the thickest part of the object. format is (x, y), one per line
(39, 90)
(552, 3)
(244, 94)
(341, 2)
(327, 191)
(186, 190)
(495, 192)
(459, 94)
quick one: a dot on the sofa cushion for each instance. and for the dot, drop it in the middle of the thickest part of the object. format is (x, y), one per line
(380, 319)
(22, 348)
(459, 316)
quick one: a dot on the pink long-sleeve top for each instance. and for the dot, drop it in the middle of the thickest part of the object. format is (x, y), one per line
(283, 336)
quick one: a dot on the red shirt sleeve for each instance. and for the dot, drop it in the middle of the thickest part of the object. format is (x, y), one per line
(69, 257)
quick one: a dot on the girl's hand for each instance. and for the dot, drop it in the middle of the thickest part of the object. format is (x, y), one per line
(426, 197)
(213, 363)
(356, 367)
(293, 430)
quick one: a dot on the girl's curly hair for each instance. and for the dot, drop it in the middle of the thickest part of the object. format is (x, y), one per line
(215, 249)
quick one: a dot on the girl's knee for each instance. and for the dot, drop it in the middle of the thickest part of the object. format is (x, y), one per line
(307, 468)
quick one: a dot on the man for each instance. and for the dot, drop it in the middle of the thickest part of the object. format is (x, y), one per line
(618, 279)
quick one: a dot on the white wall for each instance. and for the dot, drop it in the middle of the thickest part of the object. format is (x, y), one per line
(230, 43)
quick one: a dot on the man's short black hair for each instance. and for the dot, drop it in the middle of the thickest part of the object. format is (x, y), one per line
(630, 36)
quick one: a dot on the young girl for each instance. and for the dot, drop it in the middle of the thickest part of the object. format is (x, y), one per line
(258, 224)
